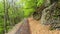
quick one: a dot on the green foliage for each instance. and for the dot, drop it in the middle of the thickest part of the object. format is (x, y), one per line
(28, 12)
(21, 9)
(40, 2)
(29, 6)
(1, 9)
(1, 25)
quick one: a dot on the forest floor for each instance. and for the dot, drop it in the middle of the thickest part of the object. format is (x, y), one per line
(33, 27)
(37, 28)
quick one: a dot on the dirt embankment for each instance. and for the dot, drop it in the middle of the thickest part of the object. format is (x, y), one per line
(37, 28)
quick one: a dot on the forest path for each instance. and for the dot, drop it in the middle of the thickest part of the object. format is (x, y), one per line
(32, 26)
(37, 28)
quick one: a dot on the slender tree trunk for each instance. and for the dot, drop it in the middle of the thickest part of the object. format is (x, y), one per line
(5, 17)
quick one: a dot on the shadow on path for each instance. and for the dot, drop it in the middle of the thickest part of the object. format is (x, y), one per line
(24, 28)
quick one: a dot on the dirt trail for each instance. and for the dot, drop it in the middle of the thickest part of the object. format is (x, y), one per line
(37, 28)
(31, 26)
(21, 28)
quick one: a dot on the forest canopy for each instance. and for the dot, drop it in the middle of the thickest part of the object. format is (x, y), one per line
(13, 11)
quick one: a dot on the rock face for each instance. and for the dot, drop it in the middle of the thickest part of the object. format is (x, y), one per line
(50, 16)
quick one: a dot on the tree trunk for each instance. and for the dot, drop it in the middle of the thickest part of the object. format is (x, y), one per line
(5, 17)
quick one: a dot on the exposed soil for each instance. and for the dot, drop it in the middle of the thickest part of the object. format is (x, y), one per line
(37, 28)
(32, 26)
